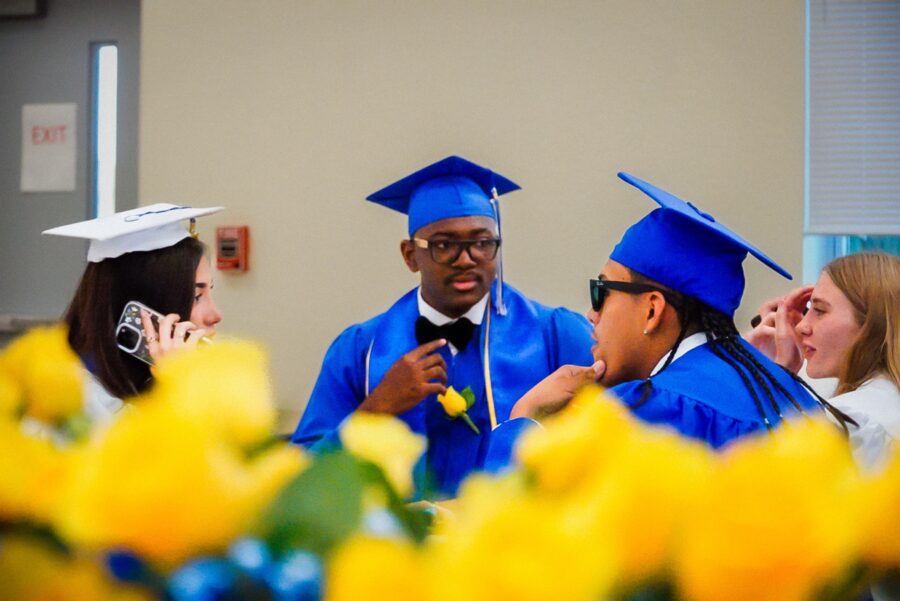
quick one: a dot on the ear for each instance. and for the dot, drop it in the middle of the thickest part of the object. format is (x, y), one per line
(656, 305)
(408, 251)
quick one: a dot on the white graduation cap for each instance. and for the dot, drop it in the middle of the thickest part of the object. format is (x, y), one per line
(141, 229)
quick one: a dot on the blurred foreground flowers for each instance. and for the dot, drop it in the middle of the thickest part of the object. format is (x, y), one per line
(187, 495)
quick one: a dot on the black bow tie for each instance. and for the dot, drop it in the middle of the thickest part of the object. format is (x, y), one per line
(457, 333)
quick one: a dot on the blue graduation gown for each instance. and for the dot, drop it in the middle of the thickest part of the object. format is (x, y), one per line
(506, 357)
(702, 397)
(698, 394)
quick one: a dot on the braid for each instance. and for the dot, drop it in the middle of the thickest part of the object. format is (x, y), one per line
(721, 354)
(718, 322)
(744, 352)
(722, 333)
(842, 418)
(749, 360)
(740, 351)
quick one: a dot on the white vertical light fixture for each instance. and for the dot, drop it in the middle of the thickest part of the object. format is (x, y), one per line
(105, 128)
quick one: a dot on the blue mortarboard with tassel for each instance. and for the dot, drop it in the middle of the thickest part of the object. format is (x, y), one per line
(687, 250)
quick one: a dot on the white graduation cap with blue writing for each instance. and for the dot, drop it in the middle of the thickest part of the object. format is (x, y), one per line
(141, 229)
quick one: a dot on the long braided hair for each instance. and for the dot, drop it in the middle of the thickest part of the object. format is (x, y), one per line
(725, 342)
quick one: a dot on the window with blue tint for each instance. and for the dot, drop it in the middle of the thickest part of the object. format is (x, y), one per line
(852, 167)
(105, 68)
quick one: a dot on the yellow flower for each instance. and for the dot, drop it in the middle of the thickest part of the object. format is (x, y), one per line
(165, 485)
(50, 375)
(32, 571)
(637, 507)
(503, 543)
(32, 474)
(454, 404)
(577, 443)
(622, 483)
(777, 521)
(226, 386)
(387, 442)
(374, 568)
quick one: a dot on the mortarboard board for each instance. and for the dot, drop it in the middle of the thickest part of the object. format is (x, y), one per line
(687, 250)
(141, 229)
(452, 187)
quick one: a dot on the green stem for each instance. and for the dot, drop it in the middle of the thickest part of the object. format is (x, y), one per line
(468, 420)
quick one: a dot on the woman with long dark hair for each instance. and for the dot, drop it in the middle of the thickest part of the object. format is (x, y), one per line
(142, 255)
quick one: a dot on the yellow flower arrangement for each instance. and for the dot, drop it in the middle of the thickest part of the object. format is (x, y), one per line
(601, 507)
(503, 543)
(388, 443)
(194, 496)
(47, 374)
(578, 444)
(225, 385)
(608, 475)
(365, 567)
(200, 489)
(776, 522)
(32, 474)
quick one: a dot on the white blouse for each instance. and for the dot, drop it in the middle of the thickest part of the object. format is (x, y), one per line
(875, 406)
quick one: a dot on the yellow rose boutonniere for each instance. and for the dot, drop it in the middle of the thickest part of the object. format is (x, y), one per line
(456, 404)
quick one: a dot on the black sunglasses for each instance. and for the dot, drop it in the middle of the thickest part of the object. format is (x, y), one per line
(600, 290)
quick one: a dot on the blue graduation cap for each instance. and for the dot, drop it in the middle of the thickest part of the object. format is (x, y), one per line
(451, 187)
(687, 250)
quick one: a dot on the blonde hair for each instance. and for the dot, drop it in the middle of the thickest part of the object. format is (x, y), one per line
(871, 282)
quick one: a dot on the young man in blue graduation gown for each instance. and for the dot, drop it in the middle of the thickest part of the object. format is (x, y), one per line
(662, 311)
(461, 328)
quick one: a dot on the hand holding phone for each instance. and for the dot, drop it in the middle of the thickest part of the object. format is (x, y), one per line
(148, 334)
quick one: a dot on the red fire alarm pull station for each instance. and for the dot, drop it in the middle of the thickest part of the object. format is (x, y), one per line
(232, 248)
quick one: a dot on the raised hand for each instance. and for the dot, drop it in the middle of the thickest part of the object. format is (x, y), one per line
(555, 391)
(787, 316)
(775, 336)
(414, 376)
(762, 336)
(171, 335)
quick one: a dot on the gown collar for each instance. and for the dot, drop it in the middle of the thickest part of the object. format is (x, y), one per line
(475, 314)
(688, 344)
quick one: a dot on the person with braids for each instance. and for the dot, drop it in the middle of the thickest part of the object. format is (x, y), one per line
(666, 343)
(849, 332)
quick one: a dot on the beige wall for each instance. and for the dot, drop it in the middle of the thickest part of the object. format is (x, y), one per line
(290, 112)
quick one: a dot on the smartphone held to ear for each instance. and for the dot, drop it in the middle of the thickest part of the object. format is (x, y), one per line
(130, 335)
